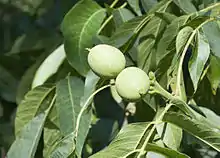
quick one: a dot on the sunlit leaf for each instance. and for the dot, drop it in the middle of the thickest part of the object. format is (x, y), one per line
(130, 135)
(34, 101)
(49, 66)
(182, 38)
(197, 127)
(79, 27)
(212, 32)
(170, 134)
(198, 59)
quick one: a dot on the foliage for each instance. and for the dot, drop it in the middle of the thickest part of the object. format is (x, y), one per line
(53, 105)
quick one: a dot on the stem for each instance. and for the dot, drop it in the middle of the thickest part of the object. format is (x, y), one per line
(155, 88)
(109, 19)
(51, 104)
(114, 3)
(105, 23)
(209, 8)
(85, 106)
(158, 120)
(179, 72)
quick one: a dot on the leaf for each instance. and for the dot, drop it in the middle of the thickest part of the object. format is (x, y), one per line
(213, 73)
(122, 15)
(212, 32)
(27, 78)
(51, 137)
(185, 5)
(211, 116)
(49, 66)
(79, 35)
(127, 30)
(148, 4)
(169, 35)
(165, 151)
(64, 148)
(37, 40)
(31, 105)
(128, 140)
(26, 143)
(159, 6)
(8, 85)
(125, 142)
(27, 6)
(69, 92)
(182, 38)
(90, 85)
(86, 118)
(198, 59)
(170, 134)
(135, 6)
(146, 54)
(168, 17)
(197, 127)
(72, 94)
(104, 130)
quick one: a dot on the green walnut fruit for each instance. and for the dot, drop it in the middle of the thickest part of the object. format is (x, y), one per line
(132, 83)
(106, 61)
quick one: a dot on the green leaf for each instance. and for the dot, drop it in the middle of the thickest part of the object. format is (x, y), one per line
(211, 116)
(26, 143)
(145, 54)
(27, 78)
(159, 6)
(127, 30)
(122, 15)
(169, 35)
(126, 141)
(146, 50)
(79, 31)
(198, 59)
(69, 92)
(72, 94)
(148, 4)
(199, 128)
(165, 151)
(129, 139)
(212, 32)
(167, 17)
(214, 73)
(86, 117)
(170, 134)
(64, 148)
(135, 6)
(51, 137)
(27, 6)
(8, 85)
(90, 85)
(34, 101)
(49, 66)
(182, 38)
(185, 5)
